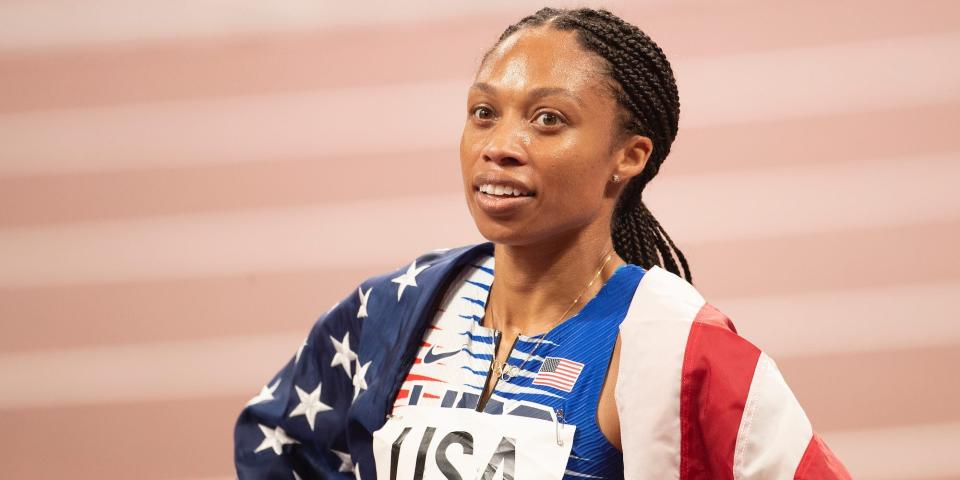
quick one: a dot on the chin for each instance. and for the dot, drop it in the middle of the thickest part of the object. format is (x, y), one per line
(508, 230)
(500, 232)
(508, 233)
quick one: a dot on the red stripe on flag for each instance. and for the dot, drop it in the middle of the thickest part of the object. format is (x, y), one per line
(562, 386)
(819, 462)
(563, 380)
(709, 315)
(718, 368)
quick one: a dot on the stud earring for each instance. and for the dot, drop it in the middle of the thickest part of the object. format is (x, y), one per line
(616, 178)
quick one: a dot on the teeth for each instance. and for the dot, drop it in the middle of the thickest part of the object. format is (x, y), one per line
(501, 190)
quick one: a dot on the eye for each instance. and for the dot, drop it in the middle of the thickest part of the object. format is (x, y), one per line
(482, 113)
(549, 119)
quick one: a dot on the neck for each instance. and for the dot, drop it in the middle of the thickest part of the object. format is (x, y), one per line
(535, 284)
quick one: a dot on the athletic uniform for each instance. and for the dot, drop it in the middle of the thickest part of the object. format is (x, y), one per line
(558, 381)
(388, 381)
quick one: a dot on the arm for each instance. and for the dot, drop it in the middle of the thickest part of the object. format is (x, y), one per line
(295, 427)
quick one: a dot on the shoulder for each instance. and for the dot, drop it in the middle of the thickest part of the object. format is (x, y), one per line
(663, 297)
(670, 327)
(696, 387)
(438, 262)
(400, 289)
(384, 309)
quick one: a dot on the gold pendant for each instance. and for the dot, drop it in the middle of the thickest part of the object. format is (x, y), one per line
(508, 372)
(504, 371)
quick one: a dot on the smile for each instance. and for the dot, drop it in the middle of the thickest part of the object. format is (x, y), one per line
(503, 191)
(502, 205)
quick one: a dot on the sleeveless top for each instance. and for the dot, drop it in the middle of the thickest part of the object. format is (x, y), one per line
(559, 383)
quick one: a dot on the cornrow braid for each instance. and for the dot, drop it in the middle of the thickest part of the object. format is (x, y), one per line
(644, 86)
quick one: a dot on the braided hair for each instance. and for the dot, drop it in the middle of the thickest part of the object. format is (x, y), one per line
(644, 87)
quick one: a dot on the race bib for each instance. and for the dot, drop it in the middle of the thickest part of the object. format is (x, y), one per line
(457, 443)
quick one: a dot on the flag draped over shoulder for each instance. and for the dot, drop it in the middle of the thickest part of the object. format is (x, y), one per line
(695, 400)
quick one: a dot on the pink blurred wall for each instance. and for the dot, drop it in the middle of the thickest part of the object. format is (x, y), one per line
(186, 186)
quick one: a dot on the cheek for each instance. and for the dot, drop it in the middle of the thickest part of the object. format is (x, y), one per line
(573, 164)
(574, 177)
(470, 139)
(467, 150)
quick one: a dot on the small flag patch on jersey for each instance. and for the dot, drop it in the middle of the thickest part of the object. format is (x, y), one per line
(558, 373)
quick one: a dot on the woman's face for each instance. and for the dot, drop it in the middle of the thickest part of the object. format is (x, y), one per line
(540, 124)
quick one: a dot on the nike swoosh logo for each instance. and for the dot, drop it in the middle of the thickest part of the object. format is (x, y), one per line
(431, 357)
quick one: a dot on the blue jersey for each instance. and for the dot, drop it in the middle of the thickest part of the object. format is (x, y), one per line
(558, 381)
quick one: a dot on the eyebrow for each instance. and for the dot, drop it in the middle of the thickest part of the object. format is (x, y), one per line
(535, 94)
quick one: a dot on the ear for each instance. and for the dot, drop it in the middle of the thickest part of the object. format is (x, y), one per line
(632, 156)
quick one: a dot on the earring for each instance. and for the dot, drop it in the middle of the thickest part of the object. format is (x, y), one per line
(616, 178)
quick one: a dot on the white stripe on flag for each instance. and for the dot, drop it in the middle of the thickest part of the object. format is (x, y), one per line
(774, 430)
(654, 338)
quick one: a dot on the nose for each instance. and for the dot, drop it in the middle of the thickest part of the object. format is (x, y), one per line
(506, 144)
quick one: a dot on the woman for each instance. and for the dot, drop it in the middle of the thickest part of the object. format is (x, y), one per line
(567, 346)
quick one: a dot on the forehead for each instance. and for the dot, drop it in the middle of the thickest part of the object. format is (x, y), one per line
(543, 56)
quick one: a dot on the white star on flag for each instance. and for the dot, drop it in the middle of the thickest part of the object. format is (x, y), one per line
(274, 439)
(344, 355)
(360, 378)
(408, 279)
(310, 405)
(266, 393)
(364, 298)
(346, 463)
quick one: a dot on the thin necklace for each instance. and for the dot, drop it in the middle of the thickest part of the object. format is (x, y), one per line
(507, 372)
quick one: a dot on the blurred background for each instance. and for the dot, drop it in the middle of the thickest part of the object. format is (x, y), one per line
(185, 186)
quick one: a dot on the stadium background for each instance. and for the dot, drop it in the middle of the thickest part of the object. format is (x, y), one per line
(186, 185)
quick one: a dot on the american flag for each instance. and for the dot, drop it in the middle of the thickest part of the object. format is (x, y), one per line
(558, 373)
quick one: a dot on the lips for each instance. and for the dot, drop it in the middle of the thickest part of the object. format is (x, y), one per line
(500, 195)
(501, 184)
(501, 205)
